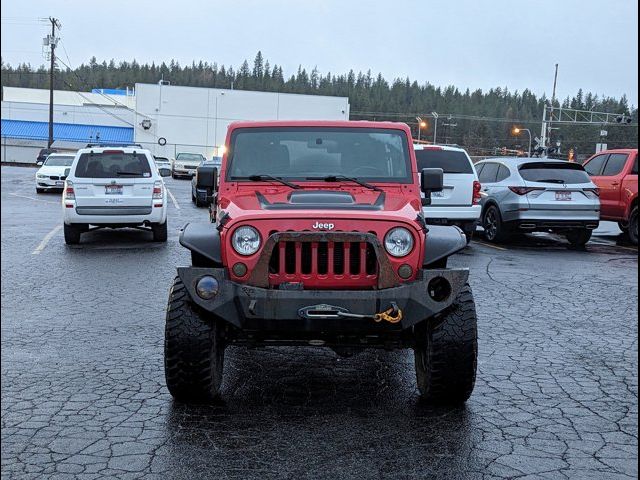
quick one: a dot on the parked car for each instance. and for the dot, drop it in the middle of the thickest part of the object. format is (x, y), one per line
(185, 164)
(459, 202)
(164, 165)
(531, 194)
(43, 154)
(201, 193)
(114, 187)
(52, 173)
(615, 172)
(322, 242)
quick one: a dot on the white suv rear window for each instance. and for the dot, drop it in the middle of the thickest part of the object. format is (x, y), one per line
(450, 161)
(109, 164)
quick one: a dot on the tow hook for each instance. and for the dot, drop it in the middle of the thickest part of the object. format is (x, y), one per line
(391, 315)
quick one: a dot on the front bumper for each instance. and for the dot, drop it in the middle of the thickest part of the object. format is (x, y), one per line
(48, 183)
(183, 172)
(253, 308)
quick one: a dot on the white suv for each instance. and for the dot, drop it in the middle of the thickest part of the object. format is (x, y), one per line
(459, 202)
(114, 187)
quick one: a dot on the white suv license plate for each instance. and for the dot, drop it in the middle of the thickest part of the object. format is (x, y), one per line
(563, 196)
(113, 189)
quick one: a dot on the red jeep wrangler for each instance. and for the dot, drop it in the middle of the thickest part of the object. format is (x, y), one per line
(317, 238)
(615, 172)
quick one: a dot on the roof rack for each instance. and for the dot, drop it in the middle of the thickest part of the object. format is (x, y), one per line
(102, 145)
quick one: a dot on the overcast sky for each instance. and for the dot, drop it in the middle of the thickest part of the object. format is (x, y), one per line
(466, 43)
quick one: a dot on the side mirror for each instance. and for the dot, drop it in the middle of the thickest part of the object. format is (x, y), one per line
(165, 172)
(39, 163)
(431, 180)
(67, 171)
(207, 178)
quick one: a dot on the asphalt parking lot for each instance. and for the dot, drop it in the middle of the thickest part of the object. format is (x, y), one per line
(83, 391)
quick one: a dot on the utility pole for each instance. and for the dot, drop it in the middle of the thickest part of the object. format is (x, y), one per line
(52, 41)
(546, 124)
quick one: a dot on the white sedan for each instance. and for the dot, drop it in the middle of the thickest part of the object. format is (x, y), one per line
(52, 173)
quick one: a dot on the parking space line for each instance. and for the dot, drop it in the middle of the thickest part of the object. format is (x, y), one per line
(173, 199)
(45, 240)
(490, 246)
(32, 198)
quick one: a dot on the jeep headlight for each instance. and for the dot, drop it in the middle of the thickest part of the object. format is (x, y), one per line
(398, 242)
(246, 240)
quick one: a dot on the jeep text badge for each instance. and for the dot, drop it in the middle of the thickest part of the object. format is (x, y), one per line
(323, 226)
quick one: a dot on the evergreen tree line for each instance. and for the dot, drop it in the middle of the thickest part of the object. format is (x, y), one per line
(480, 120)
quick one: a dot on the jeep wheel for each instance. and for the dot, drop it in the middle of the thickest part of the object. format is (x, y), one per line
(494, 228)
(193, 350)
(159, 232)
(578, 238)
(446, 352)
(72, 234)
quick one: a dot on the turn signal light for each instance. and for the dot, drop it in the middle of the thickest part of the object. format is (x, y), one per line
(524, 190)
(594, 191)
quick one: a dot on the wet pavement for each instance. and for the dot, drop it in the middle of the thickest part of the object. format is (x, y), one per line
(83, 392)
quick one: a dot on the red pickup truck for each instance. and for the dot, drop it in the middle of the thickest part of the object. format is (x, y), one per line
(615, 172)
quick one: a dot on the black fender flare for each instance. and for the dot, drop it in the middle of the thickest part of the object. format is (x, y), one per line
(204, 239)
(442, 242)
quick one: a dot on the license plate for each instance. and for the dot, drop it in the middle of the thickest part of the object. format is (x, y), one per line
(59, 184)
(113, 189)
(437, 194)
(563, 196)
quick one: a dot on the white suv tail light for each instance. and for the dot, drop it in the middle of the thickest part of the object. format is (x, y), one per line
(157, 190)
(69, 193)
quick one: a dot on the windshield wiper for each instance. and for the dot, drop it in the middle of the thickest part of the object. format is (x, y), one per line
(337, 178)
(128, 173)
(259, 178)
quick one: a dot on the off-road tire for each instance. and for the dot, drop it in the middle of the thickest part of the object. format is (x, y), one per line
(624, 227)
(469, 235)
(159, 232)
(494, 228)
(633, 226)
(193, 350)
(578, 238)
(72, 234)
(446, 352)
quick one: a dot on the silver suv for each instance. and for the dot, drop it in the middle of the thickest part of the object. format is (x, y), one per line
(531, 194)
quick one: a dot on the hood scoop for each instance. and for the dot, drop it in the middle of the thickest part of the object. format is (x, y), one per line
(320, 199)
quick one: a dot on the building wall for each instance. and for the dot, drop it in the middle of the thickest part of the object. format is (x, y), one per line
(66, 97)
(196, 119)
(80, 114)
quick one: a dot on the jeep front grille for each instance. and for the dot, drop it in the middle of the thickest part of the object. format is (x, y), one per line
(297, 261)
(323, 260)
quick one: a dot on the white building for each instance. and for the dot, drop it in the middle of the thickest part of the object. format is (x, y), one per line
(166, 119)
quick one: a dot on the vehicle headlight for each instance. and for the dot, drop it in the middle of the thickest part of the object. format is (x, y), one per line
(398, 242)
(40, 175)
(246, 240)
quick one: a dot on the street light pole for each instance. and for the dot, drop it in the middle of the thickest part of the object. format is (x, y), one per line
(435, 126)
(517, 130)
(419, 125)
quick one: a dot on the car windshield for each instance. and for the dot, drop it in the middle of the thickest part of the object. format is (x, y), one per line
(59, 161)
(450, 161)
(109, 164)
(313, 153)
(547, 172)
(189, 157)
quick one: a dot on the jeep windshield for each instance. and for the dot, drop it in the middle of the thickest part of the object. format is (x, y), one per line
(312, 153)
